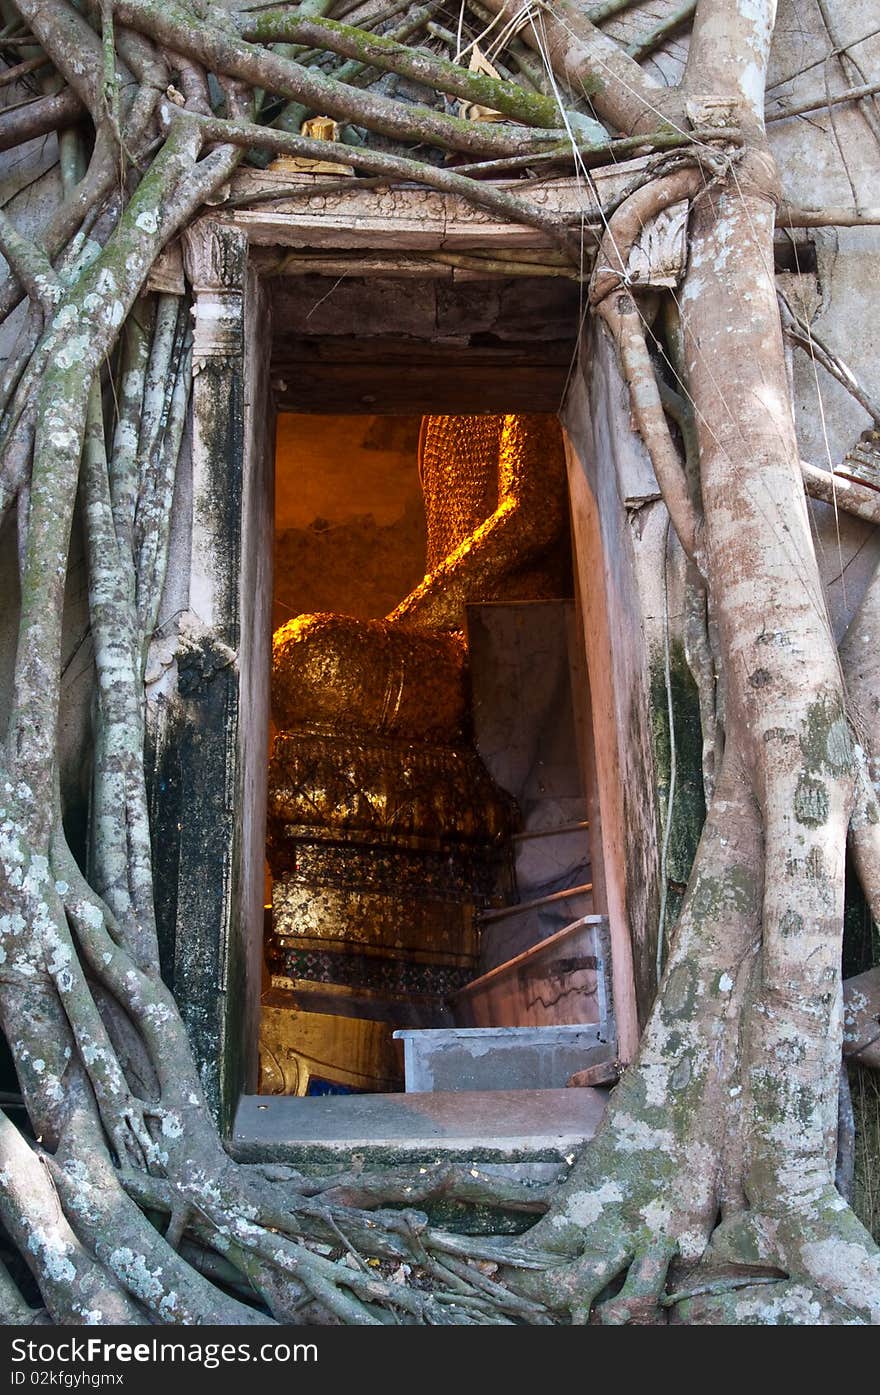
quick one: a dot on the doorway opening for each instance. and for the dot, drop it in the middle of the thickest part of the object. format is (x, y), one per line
(430, 921)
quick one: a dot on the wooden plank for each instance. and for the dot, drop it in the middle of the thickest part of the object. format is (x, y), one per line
(484, 315)
(555, 983)
(382, 391)
(579, 825)
(526, 926)
(582, 704)
(611, 632)
(323, 214)
(399, 352)
(604, 1073)
(551, 900)
(294, 262)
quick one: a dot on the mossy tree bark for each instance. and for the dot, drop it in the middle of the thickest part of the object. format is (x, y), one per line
(709, 1193)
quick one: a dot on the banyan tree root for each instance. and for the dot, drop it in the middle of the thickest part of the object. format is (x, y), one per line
(708, 1194)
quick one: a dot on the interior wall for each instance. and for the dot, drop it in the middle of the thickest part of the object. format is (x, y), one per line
(349, 517)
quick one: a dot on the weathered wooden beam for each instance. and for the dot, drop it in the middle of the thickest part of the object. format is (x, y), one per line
(447, 389)
(861, 1018)
(311, 211)
(381, 316)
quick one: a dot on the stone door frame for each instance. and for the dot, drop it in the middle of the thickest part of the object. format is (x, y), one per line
(209, 711)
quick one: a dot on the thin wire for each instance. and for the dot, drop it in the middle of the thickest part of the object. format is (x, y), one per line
(541, 40)
(583, 312)
(673, 758)
(844, 48)
(580, 169)
(817, 601)
(507, 32)
(827, 443)
(832, 117)
(621, 82)
(327, 294)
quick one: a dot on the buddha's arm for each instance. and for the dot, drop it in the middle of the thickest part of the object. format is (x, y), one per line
(530, 515)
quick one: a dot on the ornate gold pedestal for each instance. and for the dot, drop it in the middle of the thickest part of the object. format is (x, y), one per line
(299, 1047)
(381, 852)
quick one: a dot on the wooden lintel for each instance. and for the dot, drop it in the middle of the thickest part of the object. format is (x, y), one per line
(314, 212)
(387, 390)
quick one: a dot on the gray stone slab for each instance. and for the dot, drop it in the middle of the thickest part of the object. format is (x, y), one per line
(502, 1058)
(497, 1125)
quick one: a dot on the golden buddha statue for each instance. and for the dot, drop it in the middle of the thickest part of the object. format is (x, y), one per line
(386, 832)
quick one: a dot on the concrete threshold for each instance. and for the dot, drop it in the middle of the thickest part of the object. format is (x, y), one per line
(479, 1125)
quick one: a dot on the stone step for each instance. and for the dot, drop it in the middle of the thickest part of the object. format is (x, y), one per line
(495, 1126)
(499, 1058)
